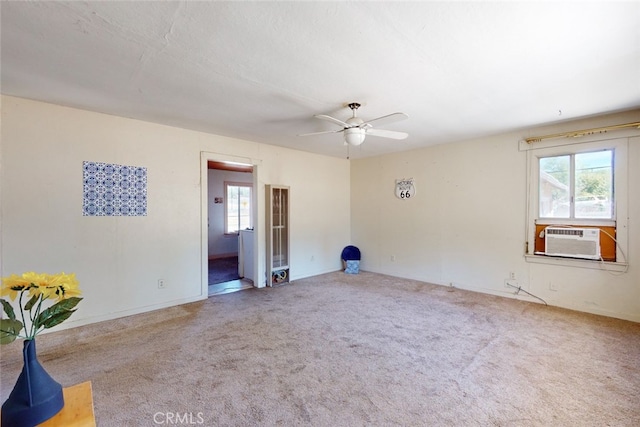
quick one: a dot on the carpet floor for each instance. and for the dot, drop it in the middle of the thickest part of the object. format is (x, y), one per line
(351, 350)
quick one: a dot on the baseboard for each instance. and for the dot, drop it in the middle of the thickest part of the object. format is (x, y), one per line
(632, 317)
(125, 313)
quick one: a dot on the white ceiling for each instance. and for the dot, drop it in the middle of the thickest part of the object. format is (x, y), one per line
(261, 70)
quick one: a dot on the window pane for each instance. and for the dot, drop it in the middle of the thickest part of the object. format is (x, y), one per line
(232, 209)
(238, 208)
(594, 189)
(245, 207)
(554, 187)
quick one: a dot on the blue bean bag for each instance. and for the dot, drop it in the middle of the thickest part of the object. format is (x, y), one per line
(351, 259)
(351, 253)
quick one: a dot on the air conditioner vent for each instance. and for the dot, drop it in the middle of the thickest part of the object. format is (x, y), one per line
(572, 242)
(566, 231)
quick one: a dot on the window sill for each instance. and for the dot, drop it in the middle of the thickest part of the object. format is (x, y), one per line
(578, 263)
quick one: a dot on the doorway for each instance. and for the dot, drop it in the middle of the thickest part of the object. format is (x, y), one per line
(230, 212)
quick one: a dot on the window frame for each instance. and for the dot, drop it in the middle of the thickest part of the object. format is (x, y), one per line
(228, 184)
(619, 219)
(573, 197)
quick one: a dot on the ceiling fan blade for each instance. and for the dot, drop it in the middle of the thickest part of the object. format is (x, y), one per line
(390, 118)
(387, 133)
(320, 133)
(332, 120)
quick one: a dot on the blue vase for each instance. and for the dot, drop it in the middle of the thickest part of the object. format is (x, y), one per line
(36, 397)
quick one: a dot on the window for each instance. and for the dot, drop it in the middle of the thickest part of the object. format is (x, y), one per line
(238, 207)
(576, 186)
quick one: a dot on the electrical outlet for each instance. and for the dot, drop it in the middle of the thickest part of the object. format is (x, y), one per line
(512, 275)
(393, 258)
(162, 284)
(553, 286)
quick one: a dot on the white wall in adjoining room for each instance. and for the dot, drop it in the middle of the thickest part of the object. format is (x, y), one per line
(466, 224)
(118, 260)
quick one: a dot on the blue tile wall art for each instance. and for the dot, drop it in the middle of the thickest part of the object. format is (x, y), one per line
(114, 190)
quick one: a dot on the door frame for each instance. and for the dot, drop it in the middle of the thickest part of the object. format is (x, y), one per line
(257, 208)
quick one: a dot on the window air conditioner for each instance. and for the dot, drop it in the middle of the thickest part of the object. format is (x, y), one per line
(572, 242)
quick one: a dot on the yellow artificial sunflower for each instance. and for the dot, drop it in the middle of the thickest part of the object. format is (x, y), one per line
(38, 283)
(14, 284)
(63, 286)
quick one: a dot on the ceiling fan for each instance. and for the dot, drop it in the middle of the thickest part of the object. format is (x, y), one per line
(355, 129)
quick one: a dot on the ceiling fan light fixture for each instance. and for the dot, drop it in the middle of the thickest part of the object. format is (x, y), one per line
(354, 136)
(355, 129)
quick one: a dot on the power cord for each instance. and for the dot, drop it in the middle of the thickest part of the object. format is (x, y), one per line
(624, 256)
(519, 288)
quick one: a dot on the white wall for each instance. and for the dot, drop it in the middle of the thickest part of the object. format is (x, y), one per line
(466, 224)
(221, 244)
(118, 260)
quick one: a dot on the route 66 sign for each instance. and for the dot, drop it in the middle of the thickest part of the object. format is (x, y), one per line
(405, 188)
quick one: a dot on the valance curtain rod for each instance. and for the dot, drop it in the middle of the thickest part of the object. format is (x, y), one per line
(578, 133)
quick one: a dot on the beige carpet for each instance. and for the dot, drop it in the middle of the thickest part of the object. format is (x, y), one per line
(351, 350)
